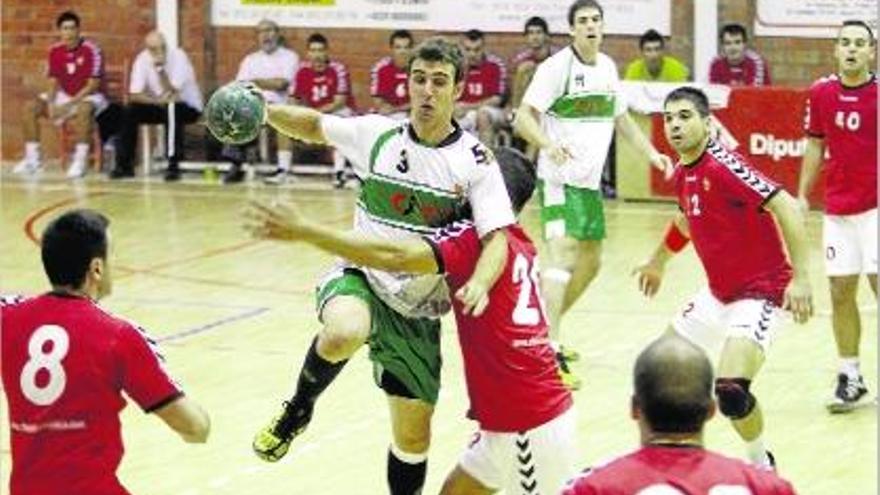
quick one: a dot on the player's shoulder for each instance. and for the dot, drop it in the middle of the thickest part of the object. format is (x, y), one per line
(764, 480)
(754, 56)
(825, 83)
(10, 301)
(90, 44)
(455, 230)
(493, 59)
(610, 470)
(382, 64)
(338, 67)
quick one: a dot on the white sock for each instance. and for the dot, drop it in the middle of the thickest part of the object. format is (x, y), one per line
(757, 452)
(338, 161)
(32, 150)
(285, 159)
(850, 367)
(407, 457)
(81, 152)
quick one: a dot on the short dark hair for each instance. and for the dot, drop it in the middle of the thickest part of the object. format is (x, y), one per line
(317, 38)
(691, 94)
(67, 15)
(649, 36)
(70, 243)
(400, 34)
(519, 175)
(474, 34)
(861, 24)
(734, 28)
(583, 4)
(673, 385)
(438, 49)
(536, 21)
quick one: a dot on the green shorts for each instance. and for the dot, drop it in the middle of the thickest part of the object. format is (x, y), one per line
(407, 348)
(570, 211)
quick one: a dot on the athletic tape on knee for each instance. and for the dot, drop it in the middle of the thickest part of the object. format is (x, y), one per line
(734, 398)
(557, 275)
(406, 456)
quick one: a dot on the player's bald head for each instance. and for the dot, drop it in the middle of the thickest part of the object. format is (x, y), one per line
(673, 385)
(154, 39)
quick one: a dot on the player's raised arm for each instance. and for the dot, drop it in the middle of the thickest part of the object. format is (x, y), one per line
(285, 223)
(296, 121)
(650, 273)
(474, 294)
(798, 294)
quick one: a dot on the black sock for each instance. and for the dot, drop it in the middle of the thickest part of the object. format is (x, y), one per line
(316, 374)
(405, 478)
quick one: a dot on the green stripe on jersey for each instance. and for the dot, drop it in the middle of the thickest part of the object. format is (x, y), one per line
(400, 203)
(585, 106)
(380, 141)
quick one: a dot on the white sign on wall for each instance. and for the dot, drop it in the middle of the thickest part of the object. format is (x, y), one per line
(811, 18)
(621, 16)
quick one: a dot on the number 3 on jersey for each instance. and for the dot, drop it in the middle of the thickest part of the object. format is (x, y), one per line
(48, 361)
(527, 278)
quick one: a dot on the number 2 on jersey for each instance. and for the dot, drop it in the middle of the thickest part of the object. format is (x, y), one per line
(527, 277)
(49, 361)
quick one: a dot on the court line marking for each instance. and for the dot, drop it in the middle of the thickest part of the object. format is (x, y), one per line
(211, 325)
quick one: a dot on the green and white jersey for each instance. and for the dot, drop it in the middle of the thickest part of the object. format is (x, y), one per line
(579, 103)
(411, 190)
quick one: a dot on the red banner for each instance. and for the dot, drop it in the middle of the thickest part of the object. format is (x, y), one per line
(768, 125)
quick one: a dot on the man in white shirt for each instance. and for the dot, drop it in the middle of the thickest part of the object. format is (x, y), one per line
(271, 69)
(163, 90)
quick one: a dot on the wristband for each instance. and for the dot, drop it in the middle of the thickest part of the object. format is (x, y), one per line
(675, 239)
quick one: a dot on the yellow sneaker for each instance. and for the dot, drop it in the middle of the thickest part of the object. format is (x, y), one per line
(272, 442)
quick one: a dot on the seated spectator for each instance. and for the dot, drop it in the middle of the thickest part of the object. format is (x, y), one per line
(479, 106)
(76, 67)
(323, 84)
(388, 77)
(671, 403)
(524, 63)
(271, 68)
(654, 65)
(738, 65)
(162, 90)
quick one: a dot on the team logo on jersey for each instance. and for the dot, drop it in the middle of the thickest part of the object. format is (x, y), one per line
(407, 205)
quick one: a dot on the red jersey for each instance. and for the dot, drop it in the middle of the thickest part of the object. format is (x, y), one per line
(388, 81)
(737, 240)
(485, 80)
(529, 55)
(752, 71)
(315, 89)
(682, 470)
(73, 68)
(65, 365)
(846, 118)
(509, 365)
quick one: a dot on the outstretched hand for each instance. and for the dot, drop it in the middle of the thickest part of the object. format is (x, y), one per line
(274, 221)
(650, 275)
(798, 299)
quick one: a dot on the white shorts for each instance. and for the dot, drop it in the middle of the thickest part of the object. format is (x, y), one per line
(708, 322)
(539, 460)
(99, 102)
(468, 121)
(850, 243)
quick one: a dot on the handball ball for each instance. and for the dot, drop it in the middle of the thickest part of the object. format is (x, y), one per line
(235, 113)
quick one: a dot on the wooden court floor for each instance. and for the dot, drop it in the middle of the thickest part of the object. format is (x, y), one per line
(235, 318)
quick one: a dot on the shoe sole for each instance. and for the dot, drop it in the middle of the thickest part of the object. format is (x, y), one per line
(847, 407)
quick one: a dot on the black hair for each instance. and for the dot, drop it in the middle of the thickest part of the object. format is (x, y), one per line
(732, 29)
(861, 24)
(317, 38)
(474, 34)
(438, 49)
(536, 21)
(673, 385)
(519, 175)
(70, 243)
(691, 94)
(583, 4)
(67, 15)
(400, 34)
(649, 36)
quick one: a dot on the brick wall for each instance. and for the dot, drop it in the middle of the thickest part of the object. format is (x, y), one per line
(28, 29)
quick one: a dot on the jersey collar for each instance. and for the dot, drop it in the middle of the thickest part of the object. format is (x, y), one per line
(871, 80)
(453, 136)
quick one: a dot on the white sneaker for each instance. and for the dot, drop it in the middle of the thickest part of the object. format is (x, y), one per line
(27, 166)
(77, 169)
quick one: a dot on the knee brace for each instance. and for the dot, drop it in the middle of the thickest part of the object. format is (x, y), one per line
(734, 399)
